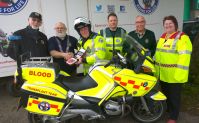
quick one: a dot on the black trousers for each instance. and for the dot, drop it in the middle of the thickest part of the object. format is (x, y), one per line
(173, 93)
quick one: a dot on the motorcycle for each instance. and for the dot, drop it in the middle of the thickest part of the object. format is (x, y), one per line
(107, 91)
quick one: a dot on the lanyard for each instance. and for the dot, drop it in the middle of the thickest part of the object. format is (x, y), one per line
(67, 44)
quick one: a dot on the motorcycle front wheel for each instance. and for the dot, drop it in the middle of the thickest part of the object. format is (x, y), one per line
(156, 110)
(36, 118)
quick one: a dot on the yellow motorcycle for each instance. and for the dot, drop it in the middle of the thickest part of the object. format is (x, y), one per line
(107, 91)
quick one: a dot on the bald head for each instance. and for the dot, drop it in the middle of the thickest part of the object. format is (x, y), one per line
(140, 23)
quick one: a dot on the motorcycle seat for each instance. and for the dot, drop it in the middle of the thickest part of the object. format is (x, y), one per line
(78, 83)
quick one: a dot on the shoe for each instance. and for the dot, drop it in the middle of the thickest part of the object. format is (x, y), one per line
(171, 121)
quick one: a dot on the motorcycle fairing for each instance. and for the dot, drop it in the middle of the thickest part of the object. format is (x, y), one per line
(103, 77)
(136, 84)
(42, 74)
(40, 94)
(44, 106)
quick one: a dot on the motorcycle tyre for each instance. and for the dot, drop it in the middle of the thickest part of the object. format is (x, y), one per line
(32, 118)
(135, 115)
(13, 89)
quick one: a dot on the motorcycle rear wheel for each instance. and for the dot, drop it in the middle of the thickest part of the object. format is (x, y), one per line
(13, 89)
(157, 110)
(36, 118)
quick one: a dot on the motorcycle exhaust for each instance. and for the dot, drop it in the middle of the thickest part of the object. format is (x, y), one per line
(85, 113)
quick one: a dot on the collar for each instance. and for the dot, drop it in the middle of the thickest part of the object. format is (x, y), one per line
(142, 34)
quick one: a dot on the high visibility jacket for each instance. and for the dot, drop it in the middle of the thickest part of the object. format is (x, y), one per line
(172, 58)
(95, 50)
(118, 40)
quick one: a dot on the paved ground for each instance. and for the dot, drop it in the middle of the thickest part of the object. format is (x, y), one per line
(9, 113)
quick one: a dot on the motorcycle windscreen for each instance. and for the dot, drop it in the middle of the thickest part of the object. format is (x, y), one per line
(136, 84)
(44, 98)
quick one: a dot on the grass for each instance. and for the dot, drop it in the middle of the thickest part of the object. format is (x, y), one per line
(190, 98)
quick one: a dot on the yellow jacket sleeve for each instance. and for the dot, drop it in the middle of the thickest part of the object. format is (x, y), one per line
(184, 49)
(99, 51)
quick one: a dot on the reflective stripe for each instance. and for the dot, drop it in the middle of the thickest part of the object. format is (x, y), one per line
(95, 56)
(167, 51)
(173, 65)
(67, 44)
(103, 49)
(183, 67)
(175, 40)
(104, 33)
(185, 52)
(174, 51)
(117, 45)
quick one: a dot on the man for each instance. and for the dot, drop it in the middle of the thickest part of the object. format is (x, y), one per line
(144, 36)
(61, 48)
(93, 43)
(29, 40)
(113, 35)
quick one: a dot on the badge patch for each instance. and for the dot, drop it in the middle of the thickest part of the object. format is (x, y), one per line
(88, 50)
(44, 106)
(147, 41)
(100, 40)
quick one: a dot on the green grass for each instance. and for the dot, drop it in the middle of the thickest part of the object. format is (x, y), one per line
(190, 98)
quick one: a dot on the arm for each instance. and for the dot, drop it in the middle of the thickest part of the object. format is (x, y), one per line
(184, 49)
(14, 48)
(100, 51)
(57, 54)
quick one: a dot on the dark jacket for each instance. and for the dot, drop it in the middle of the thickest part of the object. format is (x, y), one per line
(148, 40)
(28, 41)
(69, 44)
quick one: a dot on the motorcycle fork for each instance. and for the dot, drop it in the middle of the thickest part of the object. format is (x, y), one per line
(145, 104)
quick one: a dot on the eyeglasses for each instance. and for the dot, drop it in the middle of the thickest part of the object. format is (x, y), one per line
(140, 22)
(61, 28)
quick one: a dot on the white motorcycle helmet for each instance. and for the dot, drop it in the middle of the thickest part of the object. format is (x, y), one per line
(82, 22)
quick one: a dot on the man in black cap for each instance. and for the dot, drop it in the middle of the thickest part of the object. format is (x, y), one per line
(29, 40)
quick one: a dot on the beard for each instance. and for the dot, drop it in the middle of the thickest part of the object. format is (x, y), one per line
(61, 35)
(35, 27)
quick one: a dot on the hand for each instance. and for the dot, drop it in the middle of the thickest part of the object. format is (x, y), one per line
(79, 61)
(68, 55)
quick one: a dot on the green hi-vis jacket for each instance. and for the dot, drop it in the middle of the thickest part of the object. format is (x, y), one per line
(109, 36)
(172, 58)
(95, 50)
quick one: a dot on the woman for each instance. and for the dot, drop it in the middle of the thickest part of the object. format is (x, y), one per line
(172, 60)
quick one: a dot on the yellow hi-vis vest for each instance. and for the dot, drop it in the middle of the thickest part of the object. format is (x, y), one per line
(95, 51)
(118, 40)
(172, 58)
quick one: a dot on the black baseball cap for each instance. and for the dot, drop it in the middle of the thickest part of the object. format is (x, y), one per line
(36, 15)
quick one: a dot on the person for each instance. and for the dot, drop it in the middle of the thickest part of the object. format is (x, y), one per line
(113, 35)
(62, 47)
(29, 40)
(172, 59)
(144, 36)
(91, 42)
(25, 43)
